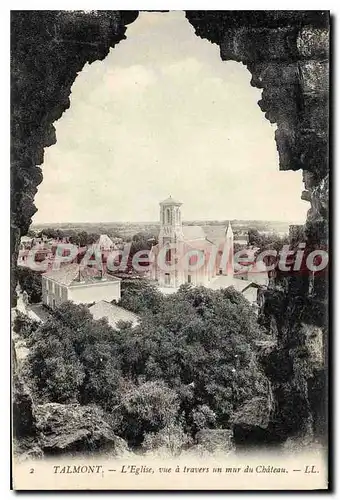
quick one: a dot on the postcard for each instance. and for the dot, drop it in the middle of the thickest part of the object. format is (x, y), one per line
(169, 231)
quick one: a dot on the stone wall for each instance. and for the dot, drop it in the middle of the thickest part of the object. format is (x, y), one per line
(48, 50)
(287, 55)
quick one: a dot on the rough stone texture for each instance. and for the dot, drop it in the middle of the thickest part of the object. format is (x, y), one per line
(253, 422)
(73, 428)
(24, 428)
(287, 55)
(48, 50)
(215, 440)
(23, 413)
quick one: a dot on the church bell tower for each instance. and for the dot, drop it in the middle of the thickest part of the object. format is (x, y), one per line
(170, 222)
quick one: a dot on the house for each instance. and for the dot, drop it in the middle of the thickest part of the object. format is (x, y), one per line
(113, 313)
(241, 241)
(81, 285)
(25, 246)
(26, 242)
(253, 270)
(105, 243)
(34, 255)
(23, 257)
(249, 289)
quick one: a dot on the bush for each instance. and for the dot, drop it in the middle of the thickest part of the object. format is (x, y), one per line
(56, 373)
(148, 408)
(24, 325)
(171, 440)
(203, 418)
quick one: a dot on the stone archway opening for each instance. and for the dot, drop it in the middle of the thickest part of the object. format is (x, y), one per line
(287, 54)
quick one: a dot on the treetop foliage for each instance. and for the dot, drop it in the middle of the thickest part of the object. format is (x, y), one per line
(189, 363)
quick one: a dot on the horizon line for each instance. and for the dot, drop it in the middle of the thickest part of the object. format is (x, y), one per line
(158, 222)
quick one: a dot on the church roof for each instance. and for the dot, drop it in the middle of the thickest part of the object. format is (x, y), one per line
(216, 234)
(229, 230)
(171, 201)
(193, 233)
(199, 244)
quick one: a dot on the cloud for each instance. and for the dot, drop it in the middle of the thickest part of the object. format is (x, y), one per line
(116, 81)
(183, 68)
(126, 79)
(163, 114)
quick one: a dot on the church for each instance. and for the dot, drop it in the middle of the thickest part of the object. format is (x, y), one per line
(185, 254)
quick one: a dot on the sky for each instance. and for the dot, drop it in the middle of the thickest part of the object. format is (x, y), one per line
(163, 115)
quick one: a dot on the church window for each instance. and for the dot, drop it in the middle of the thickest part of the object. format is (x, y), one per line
(168, 255)
(168, 216)
(189, 278)
(193, 259)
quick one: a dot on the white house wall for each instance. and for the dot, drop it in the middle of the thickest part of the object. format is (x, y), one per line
(53, 294)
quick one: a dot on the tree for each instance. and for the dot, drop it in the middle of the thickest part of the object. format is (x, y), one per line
(139, 242)
(83, 239)
(139, 296)
(254, 237)
(203, 418)
(55, 372)
(30, 282)
(72, 358)
(201, 343)
(52, 233)
(92, 238)
(267, 241)
(79, 239)
(190, 362)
